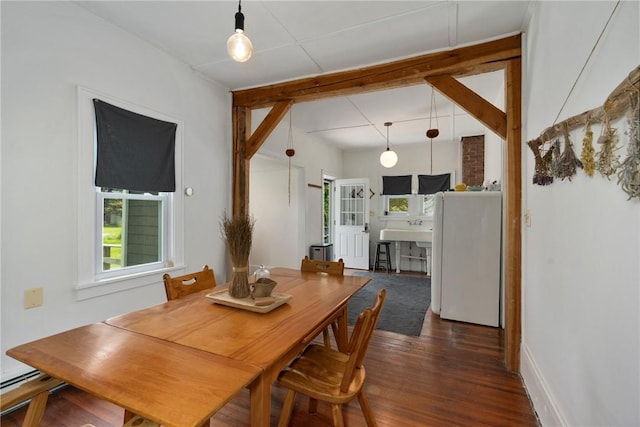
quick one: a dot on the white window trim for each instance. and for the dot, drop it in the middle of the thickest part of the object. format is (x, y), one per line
(88, 285)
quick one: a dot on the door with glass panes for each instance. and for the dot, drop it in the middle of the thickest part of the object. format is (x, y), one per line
(351, 240)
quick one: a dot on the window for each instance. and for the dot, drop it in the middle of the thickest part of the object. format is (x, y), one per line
(126, 237)
(400, 201)
(397, 205)
(133, 230)
(428, 204)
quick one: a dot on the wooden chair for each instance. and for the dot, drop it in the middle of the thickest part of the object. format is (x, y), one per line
(177, 287)
(332, 268)
(37, 390)
(331, 376)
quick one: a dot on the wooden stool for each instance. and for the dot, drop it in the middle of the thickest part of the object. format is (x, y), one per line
(383, 255)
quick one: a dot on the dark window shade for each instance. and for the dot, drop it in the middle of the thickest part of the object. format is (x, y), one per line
(431, 184)
(135, 152)
(396, 185)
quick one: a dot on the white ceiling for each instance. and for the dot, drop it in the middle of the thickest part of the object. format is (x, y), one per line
(294, 39)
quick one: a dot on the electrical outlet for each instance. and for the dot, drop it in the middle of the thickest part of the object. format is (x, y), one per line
(32, 298)
(527, 218)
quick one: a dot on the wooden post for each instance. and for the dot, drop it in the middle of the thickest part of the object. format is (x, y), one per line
(241, 118)
(513, 221)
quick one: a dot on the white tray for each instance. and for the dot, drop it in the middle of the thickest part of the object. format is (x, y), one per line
(223, 298)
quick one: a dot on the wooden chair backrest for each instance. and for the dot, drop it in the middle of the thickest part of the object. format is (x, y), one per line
(179, 286)
(361, 337)
(333, 268)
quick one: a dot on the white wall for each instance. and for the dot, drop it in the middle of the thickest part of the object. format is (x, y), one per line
(581, 278)
(48, 48)
(284, 232)
(279, 229)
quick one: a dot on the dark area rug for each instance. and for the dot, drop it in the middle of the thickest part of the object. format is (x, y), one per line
(408, 299)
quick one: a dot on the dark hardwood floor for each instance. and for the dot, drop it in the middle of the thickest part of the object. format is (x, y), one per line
(452, 375)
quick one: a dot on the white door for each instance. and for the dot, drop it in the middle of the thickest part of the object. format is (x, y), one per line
(351, 239)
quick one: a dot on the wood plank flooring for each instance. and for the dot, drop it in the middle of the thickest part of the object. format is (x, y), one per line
(452, 375)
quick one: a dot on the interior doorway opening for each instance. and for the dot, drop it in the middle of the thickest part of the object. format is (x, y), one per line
(327, 209)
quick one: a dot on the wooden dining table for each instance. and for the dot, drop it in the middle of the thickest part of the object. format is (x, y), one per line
(176, 385)
(248, 348)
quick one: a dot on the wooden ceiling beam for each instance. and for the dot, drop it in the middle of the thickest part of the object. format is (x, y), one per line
(488, 114)
(267, 126)
(391, 75)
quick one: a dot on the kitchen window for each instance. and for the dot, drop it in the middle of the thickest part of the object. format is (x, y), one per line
(397, 205)
(400, 201)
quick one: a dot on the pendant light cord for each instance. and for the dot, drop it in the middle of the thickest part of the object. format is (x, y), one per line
(432, 107)
(387, 137)
(290, 145)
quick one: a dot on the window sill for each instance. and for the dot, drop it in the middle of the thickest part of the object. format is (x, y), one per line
(99, 288)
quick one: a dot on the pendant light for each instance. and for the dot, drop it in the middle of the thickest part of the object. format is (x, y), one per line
(432, 132)
(238, 45)
(388, 158)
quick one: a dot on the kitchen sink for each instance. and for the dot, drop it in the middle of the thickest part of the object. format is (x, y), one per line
(405, 235)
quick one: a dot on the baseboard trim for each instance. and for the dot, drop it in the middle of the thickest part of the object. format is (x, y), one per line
(541, 397)
(15, 380)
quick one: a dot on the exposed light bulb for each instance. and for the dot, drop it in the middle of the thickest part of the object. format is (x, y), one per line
(388, 158)
(239, 46)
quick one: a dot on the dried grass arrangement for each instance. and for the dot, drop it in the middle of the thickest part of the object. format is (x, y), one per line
(238, 232)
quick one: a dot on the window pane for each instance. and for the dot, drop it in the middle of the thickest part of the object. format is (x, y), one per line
(131, 232)
(428, 204)
(112, 234)
(399, 204)
(352, 205)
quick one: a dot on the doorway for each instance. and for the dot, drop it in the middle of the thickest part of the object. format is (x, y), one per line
(327, 209)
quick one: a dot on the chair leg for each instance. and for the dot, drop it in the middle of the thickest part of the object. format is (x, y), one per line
(366, 409)
(287, 409)
(336, 411)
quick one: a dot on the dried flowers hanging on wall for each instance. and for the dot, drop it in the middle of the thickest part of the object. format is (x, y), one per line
(629, 172)
(555, 160)
(588, 152)
(624, 99)
(607, 160)
(543, 163)
(568, 163)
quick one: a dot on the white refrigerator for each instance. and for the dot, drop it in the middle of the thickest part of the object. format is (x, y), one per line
(465, 276)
